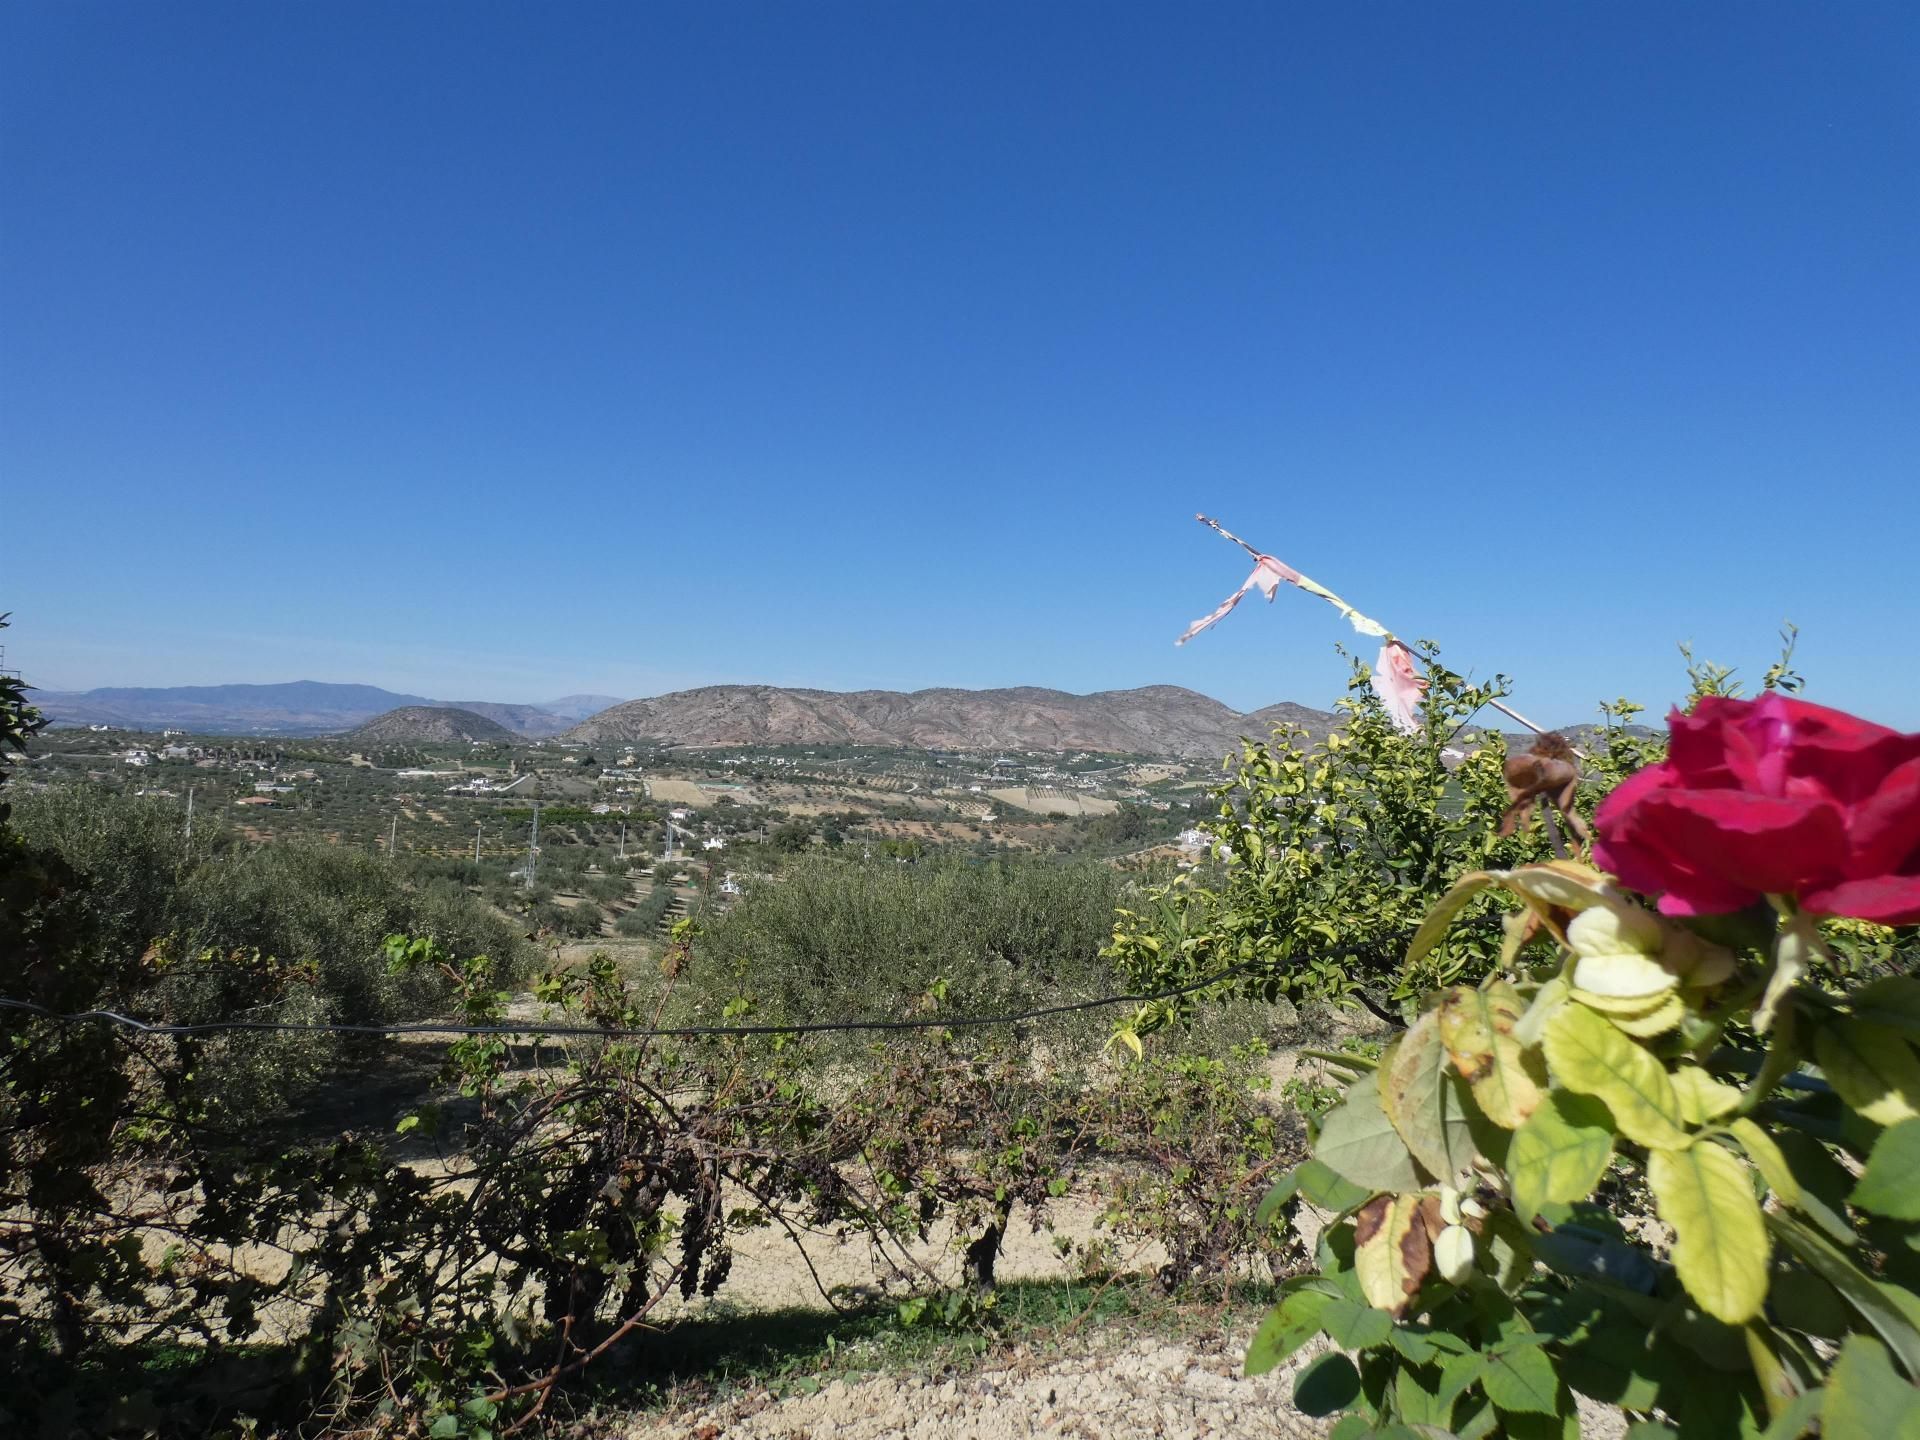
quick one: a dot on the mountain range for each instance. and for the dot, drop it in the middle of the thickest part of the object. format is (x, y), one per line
(1153, 720)
(300, 707)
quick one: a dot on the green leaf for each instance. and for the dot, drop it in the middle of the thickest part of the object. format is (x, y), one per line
(1823, 1185)
(1873, 1302)
(1589, 1055)
(1564, 1425)
(1358, 1143)
(1873, 1069)
(1417, 1093)
(1813, 1305)
(444, 1427)
(1328, 1384)
(1793, 1421)
(1279, 1336)
(1522, 1379)
(1894, 1001)
(1891, 1184)
(1720, 1240)
(1353, 1326)
(1767, 1159)
(1440, 918)
(1325, 1188)
(1416, 1396)
(1866, 1398)
(1559, 1155)
(1281, 1191)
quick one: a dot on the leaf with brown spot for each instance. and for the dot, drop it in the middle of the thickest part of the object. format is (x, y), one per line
(1421, 1101)
(1476, 1026)
(1392, 1252)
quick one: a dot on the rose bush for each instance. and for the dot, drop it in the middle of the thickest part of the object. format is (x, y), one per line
(1772, 797)
(1487, 1262)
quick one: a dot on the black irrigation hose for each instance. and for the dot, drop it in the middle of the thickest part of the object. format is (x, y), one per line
(958, 1022)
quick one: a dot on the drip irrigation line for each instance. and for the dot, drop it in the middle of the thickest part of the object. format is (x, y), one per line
(956, 1022)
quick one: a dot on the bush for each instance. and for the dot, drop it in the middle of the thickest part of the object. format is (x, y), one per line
(832, 938)
(1478, 1260)
(1326, 859)
(211, 929)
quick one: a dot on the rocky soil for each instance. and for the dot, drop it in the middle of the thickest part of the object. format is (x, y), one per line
(1097, 1390)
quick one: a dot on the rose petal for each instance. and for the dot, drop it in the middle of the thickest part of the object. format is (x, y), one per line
(1887, 899)
(1884, 833)
(1777, 847)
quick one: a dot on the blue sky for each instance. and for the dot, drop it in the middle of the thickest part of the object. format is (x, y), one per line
(499, 351)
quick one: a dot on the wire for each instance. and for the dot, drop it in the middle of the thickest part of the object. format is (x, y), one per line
(957, 1022)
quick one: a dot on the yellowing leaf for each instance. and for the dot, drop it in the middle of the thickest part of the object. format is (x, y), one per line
(1420, 1103)
(1700, 962)
(1589, 1055)
(1702, 1098)
(1391, 1251)
(1617, 1006)
(1624, 974)
(1547, 999)
(1476, 1027)
(1453, 1254)
(1720, 1242)
(1566, 884)
(1620, 929)
(1657, 1021)
(1559, 1155)
(1872, 1067)
(1767, 1159)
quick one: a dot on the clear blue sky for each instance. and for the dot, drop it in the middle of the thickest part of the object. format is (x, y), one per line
(497, 351)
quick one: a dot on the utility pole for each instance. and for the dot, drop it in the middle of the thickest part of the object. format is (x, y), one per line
(393, 832)
(476, 841)
(533, 844)
(189, 812)
(623, 839)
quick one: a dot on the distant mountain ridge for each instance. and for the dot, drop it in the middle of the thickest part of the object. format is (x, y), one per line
(298, 707)
(1152, 720)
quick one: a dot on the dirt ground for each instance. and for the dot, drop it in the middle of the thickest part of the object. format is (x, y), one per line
(1099, 1389)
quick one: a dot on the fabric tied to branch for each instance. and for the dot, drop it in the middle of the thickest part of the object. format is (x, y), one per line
(1395, 680)
(1399, 686)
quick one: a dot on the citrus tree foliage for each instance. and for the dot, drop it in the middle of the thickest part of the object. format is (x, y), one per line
(1326, 857)
(1644, 1161)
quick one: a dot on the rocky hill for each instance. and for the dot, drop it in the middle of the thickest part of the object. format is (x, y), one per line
(431, 725)
(1154, 720)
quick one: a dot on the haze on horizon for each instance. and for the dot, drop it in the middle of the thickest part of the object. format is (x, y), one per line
(482, 354)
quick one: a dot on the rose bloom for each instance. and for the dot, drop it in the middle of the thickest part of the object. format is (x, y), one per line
(1772, 797)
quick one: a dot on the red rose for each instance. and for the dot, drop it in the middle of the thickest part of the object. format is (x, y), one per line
(1772, 797)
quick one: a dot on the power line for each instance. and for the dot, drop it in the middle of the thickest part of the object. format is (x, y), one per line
(957, 1022)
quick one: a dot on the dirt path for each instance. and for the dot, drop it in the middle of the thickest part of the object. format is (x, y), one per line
(1102, 1389)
